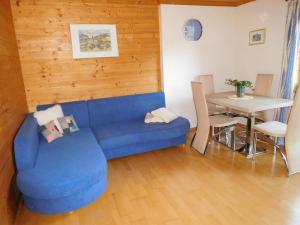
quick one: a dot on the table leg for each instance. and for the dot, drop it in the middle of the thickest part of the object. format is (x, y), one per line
(250, 135)
(248, 150)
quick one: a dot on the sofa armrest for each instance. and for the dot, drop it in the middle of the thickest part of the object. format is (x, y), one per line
(26, 144)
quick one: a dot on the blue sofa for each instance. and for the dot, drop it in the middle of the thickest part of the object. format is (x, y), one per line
(71, 171)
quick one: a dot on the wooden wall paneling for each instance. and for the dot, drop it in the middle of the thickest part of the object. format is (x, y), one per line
(230, 3)
(12, 111)
(52, 75)
(241, 2)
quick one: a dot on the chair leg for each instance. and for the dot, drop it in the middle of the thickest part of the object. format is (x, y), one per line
(193, 138)
(229, 135)
(232, 141)
(275, 141)
(283, 157)
(228, 138)
(254, 144)
(219, 135)
(207, 143)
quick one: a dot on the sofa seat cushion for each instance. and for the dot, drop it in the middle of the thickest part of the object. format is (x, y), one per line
(136, 132)
(66, 166)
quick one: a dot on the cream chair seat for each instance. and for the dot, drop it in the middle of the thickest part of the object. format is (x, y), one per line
(241, 120)
(272, 128)
(219, 121)
(215, 109)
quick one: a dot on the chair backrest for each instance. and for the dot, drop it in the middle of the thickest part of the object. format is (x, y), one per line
(292, 141)
(263, 87)
(202, 134)
(263, 84)
(208, 83)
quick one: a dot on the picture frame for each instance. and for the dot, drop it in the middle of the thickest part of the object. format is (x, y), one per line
(94, 40)
(257, 37)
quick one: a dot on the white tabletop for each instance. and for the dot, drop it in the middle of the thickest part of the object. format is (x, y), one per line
(258, 103)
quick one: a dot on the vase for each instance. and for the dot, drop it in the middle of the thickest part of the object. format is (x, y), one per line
(240, 91)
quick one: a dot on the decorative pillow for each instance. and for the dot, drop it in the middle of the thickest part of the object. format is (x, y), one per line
(153, 119)
(166, 115)
(50, 131)
(52, 113)
(68, 124)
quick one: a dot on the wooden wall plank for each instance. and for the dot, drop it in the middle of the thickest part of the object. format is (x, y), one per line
(52, 75)
(12, 111)
(241, 2)
(230, 3)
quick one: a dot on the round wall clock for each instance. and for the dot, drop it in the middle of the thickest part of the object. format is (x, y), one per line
(192, 30)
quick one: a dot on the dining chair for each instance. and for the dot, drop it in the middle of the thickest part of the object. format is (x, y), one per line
(263, 86)
(209, 89)
(290, 132)
(207, 82)
(205, 122)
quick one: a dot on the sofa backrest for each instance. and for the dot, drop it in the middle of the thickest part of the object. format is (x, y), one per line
(116, 109)
(78, 109)
(26, 144)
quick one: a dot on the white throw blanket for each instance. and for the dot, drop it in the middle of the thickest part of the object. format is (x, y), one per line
(161, 115)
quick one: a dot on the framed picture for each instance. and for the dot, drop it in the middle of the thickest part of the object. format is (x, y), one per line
(257, 37)
(94, 40)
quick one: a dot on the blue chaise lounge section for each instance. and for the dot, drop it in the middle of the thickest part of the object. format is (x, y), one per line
(60, 176)
(71, 171)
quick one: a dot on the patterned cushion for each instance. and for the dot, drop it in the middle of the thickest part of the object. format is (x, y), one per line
(68, 124)
(50, 131)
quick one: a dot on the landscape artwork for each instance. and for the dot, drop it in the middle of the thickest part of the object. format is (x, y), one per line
(257, 37)
(93, 40)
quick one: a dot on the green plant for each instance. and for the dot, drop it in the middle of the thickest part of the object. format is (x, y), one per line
(239, 83)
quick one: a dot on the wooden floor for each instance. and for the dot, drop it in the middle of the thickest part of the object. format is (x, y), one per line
(179, 186)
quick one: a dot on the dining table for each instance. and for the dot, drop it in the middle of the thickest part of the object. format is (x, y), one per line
(248, 106)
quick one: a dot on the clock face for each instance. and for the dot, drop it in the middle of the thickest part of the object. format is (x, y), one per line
(192, 30)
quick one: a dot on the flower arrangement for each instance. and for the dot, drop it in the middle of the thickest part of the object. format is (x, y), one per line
(240, 85)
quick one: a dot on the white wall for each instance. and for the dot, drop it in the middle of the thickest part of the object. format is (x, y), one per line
(184, 60)
(266, 58)
(223, 49)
